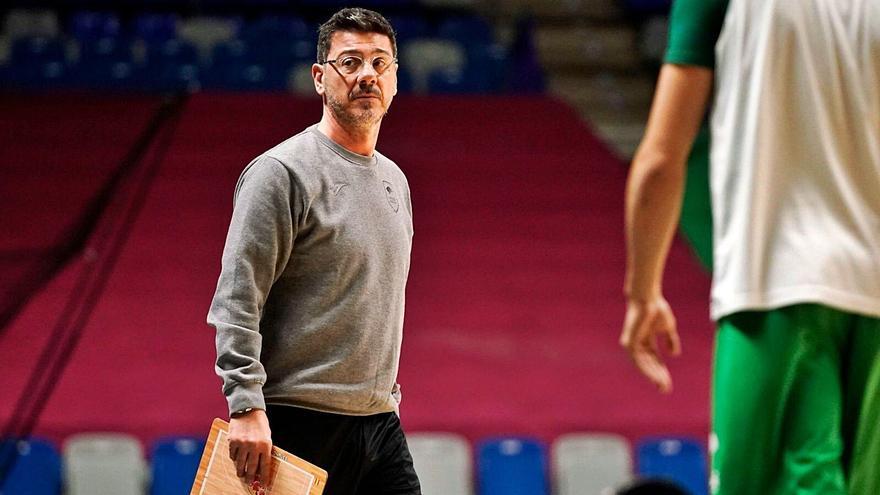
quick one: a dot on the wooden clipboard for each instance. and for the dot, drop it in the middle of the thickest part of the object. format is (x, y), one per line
(216, 475)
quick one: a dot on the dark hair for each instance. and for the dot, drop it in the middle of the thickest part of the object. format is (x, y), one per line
(357, 20)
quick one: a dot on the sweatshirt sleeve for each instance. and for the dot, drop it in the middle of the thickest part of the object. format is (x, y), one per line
(258, 247)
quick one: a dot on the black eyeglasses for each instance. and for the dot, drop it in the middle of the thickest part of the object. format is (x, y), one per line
(352, 64)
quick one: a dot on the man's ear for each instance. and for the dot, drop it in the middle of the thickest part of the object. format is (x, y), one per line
(318, 78)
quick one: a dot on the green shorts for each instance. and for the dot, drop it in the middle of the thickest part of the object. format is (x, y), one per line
(796, 403)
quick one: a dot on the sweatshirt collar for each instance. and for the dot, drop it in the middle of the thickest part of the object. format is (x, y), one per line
(366, 161)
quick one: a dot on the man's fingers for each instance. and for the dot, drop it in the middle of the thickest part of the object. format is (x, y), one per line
(634, 330)
(654, 370)
(241, 463)
(265, 465)
(673, 343)
(253, 465)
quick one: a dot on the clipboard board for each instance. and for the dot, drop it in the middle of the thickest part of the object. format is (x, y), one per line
(216, 475)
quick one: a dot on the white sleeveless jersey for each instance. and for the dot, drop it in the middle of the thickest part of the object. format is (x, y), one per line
(795, 164)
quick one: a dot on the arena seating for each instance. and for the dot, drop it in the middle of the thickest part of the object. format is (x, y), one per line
(681, 460)
(35, 467)
(590, 463)
(512, 466)
(444, 462)
(167, 52)
(513, 306)
(174, 462)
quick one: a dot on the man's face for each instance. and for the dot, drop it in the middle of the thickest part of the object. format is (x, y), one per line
(358, 99)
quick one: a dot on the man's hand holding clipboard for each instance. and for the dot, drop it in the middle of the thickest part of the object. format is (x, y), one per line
(287, 474)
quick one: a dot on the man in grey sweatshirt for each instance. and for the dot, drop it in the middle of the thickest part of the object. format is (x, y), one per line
(309, 304)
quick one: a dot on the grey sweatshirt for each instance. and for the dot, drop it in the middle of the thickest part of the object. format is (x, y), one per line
(309, 304)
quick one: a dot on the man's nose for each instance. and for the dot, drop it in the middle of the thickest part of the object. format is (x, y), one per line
(368, 73)
(367, 83)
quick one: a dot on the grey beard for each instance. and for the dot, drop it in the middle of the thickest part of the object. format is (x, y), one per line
(361, 120)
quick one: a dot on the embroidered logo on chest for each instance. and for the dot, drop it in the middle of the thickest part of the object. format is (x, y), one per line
(338, 187)
(389, 194)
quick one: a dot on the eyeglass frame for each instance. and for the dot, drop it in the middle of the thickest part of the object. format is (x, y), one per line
(394, 60)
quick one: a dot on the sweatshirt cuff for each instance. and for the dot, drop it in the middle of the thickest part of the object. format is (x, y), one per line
(245, 395)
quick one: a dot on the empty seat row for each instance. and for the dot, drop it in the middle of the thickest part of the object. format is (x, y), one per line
(155, 27)
(427, 65)
(98, 463)
(582, 464)
(162, 52)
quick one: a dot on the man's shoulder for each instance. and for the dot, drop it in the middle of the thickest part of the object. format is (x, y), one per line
(293, 149)
(388, 163)
(279, 161)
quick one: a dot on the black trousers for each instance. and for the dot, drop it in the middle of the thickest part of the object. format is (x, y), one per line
(363, 455)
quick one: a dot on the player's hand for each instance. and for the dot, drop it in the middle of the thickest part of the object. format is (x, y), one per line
(250, 445)
(649, 331)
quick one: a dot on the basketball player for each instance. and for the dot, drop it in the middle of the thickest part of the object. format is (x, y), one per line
(795, 179)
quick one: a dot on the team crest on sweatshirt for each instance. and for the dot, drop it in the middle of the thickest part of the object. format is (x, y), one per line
(392, 198)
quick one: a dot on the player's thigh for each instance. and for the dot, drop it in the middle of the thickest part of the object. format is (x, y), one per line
(391, 469)
(863, 407)
(764, 411)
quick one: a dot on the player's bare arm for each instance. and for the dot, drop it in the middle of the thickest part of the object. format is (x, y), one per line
(250, 444)
(653, 205)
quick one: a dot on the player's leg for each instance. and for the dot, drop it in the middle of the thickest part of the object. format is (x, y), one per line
(812, 440)
(390, 470)
(862, 410)
(330, 441)
(776, 403)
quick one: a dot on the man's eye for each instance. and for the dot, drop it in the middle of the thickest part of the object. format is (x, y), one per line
(380, 63)
(350, 62)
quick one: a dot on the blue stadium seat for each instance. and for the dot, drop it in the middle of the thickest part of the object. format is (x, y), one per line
(247, 76)
(37, 50)
(487, 64)
(524, 72)
(93, 25)
(512, 466)
(174, 464)
(285, 54)
(119, 75)
(275, 29)
(404, 80)
(155, 28)
(230, 59)
(230, 52)
(169, 76)
(104, 51)
(385, 4)
(370, 4)
(452, 81)
(681, 460)
(42, 75)
(171, 51)
(410, 27)
(36, 467)
(466, 30)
